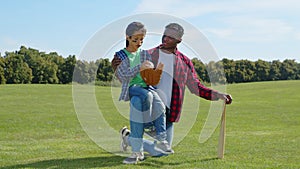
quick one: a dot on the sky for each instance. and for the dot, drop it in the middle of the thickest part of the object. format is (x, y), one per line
(237, 29)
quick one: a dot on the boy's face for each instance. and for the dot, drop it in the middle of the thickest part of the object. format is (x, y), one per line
(135, 41)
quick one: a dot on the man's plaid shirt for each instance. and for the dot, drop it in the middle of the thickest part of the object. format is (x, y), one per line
(184, 75)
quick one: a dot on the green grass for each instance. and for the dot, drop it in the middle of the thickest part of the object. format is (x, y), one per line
(39, 129)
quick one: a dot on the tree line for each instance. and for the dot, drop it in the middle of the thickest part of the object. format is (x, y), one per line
(29, 65)
(230, 71)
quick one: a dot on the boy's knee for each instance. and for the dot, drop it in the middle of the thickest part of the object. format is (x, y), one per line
(135, 102)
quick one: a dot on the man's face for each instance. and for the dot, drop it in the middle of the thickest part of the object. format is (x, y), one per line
(135, 41)
(170, 39)
(169, 42)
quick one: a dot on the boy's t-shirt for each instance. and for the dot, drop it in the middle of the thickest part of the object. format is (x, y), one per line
(135, 59)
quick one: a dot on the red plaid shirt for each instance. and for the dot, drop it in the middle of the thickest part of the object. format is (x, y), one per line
(184, 75)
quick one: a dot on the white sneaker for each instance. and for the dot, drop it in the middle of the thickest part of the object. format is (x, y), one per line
(165, 147)
(124, 133)
(134, 158)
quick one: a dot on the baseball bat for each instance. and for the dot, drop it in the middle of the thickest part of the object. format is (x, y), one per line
(221, 147)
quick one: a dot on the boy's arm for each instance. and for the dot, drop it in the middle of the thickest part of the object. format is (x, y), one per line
(124, 72)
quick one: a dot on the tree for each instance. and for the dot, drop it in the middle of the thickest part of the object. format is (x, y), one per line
(44, 66)
(81, 72)
(35, 62)
(244, 71)
(48, 73)
(229, 70)
(2, 67)
(67, 69)
(298, 72)
(262, 70)
(17, 71)
(288, 70)
(104, 70)
(216, 72)
(275, 70)
(59, 62)
(201, 70)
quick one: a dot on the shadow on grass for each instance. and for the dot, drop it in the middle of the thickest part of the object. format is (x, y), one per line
(158, 164)
(90, 162)
(95, 162)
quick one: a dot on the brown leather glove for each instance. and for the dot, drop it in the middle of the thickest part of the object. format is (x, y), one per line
(150, 75)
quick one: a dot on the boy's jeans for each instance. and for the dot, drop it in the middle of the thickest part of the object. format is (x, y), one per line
(140, 108)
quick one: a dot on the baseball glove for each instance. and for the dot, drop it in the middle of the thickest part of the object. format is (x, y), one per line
(150, 75)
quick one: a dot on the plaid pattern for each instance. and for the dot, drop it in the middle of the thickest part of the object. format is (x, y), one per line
(121, 54)
(184, 75)
(124, 73)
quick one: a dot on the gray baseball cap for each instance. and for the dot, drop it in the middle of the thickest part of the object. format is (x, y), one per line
(135, 28)
(174, 30)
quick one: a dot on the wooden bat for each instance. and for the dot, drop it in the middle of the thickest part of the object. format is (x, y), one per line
(221, 147)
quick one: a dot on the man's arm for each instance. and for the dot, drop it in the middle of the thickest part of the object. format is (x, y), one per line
(196, 87)
(226, 97)
(115, 62)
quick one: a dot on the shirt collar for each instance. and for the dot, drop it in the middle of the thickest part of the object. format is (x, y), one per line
(174, 52)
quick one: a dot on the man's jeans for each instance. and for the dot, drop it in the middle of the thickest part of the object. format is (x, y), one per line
(149, 146)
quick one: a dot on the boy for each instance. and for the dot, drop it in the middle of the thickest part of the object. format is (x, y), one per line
(152, 108)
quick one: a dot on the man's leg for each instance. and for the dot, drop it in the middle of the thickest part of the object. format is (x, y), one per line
(170, 132)
(158, 116)
(149, 146)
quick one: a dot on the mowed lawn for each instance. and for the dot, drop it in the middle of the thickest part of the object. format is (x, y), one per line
(39, 128)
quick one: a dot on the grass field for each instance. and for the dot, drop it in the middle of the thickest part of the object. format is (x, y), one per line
(39, 129)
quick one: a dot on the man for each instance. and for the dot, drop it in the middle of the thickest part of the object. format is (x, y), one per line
(178, 72)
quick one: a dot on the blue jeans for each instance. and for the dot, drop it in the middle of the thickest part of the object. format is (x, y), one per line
(145, 107)
(135, 138)
(149, 146)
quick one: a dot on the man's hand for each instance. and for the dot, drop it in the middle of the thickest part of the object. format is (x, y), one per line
(225, 97)
(160, 66)
(115, 62)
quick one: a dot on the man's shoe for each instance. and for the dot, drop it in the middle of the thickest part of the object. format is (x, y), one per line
(134, 158)
(165, 147)
(124, 133)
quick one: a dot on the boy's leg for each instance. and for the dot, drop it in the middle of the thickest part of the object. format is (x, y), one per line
(139, 108)
(146, 99)
(136, 131)
(139, 91)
